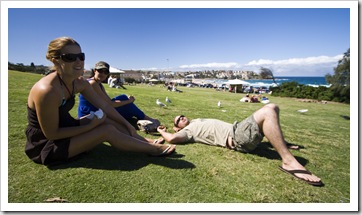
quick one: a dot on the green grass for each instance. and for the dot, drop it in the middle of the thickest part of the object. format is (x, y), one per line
(197, 173)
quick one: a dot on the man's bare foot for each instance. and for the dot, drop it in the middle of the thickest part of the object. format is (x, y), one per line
(302, 174)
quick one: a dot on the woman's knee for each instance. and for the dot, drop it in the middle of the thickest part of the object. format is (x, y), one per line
(105, 131)
(109, 128)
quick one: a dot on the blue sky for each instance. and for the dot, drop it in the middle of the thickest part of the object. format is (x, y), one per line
(290, 41)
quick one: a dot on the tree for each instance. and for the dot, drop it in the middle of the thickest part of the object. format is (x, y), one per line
(341, 72)
(341, 79)
(266, 73)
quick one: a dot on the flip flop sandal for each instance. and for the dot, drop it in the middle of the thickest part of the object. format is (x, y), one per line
(158, 141)
(168, 151)
(292, 172)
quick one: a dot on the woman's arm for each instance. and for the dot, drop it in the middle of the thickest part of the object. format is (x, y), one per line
(89, 93)
(105, 96)
(46, 101)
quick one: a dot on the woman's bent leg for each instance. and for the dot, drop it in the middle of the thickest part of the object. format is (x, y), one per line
(121, 141)
(123, 129)
(86, 141)
(130, 110)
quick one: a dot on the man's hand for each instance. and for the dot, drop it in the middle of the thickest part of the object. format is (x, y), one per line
(161, 128)
(172, 137)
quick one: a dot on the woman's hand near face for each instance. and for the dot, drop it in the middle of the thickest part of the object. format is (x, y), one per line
(131, 98)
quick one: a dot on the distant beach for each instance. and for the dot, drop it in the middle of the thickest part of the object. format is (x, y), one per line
(311, 81)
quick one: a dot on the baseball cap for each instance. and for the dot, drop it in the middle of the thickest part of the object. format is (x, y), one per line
(102, 65)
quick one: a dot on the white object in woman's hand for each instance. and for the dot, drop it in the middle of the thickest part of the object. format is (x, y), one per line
(99, 113)
(91, 115)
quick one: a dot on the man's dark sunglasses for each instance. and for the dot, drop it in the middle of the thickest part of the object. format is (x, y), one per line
(103, 71)
(72, 57)
(178, 120)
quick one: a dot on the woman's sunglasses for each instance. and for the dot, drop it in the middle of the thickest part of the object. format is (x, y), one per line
(103, 71)
(71, 57)
(178, 120)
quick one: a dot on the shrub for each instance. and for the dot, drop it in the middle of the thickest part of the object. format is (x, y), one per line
(337, 93)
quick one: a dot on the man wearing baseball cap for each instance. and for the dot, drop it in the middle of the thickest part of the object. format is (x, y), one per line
(102, 65)
(124, 104)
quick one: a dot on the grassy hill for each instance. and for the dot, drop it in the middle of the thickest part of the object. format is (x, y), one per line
(197, 173)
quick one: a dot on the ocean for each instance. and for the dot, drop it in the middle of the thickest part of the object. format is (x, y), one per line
(311, 81)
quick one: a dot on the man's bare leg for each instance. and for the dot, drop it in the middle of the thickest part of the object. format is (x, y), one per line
(268, 120)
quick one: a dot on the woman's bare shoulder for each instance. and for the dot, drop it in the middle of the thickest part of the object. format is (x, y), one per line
(44, 85)
(43, 90)
(80, 84)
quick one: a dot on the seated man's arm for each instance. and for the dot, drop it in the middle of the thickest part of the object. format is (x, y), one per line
(172, 138)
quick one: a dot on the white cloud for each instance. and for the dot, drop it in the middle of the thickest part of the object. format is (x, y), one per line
(149, 69)
(230, 65)
(297, 61)
(310, 66)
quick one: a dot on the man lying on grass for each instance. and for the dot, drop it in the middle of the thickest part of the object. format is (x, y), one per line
(243, 136)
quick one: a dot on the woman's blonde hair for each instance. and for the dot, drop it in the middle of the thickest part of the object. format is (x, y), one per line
(55, 46)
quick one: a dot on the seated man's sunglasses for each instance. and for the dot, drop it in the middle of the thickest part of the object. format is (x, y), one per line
(103, 71)
(71, 57)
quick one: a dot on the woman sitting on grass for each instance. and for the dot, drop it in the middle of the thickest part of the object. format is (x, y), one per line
(53, 135)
